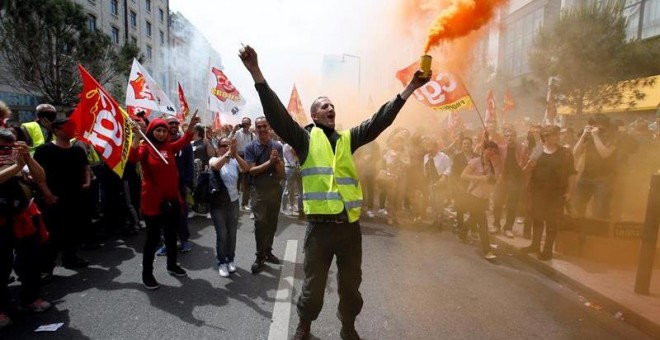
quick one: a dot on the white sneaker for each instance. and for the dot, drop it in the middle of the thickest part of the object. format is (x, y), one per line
(382, 212)
(223, 271)
(231, 267)
(252, 216)
(191, 214)
(208, 216)
(370, 214)
(508, 234)
(490, 256)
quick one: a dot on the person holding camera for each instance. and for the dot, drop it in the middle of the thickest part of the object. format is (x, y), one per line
(598, 146)
(481, 173)
(161, 199)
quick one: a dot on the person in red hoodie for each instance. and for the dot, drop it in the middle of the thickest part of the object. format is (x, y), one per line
(160, 198)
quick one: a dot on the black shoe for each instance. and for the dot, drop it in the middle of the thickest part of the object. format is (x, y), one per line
(77, 263)
(270, 258)
(349, 333)
(302, 331)
(530, 250)
(257, 266)
(150, 282)
(545, 256)
(177, 271)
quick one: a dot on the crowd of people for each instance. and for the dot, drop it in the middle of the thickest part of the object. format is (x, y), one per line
(184, 169)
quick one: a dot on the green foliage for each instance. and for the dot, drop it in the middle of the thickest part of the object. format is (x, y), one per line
(44, 41)
(596, 65)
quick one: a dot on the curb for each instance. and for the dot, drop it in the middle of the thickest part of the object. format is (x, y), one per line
(633, 318)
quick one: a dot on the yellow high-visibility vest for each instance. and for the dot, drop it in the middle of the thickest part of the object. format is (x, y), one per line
(36, 134)
(330, 180)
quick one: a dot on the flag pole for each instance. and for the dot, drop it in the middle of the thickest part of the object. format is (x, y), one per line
(145, 138)
(476, 108)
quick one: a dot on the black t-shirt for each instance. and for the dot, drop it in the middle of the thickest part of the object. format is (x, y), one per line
(551, 172)
(596, 166)
(64, 167)
(511, 168)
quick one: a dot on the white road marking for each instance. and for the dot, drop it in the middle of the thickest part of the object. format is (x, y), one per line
(279, 327)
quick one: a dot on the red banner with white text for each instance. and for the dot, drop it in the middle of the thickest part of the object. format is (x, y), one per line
(445, 91)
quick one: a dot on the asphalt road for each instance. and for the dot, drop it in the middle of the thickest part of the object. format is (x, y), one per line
(418, 283)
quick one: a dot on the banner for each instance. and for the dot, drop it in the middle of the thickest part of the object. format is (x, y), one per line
(143, 92)
(296, 109)
(491, 111)
(100, 122)
(217, 123)
(184, 109)
(509, 104)
(223, 96)
(444, 91)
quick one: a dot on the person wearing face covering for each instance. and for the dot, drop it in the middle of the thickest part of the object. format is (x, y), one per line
(332, 195)
(160, 197)
(39, 131)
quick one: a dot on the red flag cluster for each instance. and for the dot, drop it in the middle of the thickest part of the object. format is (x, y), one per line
(101, 122)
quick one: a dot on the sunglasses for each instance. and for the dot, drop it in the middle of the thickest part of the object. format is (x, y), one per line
(223, 145)
(6, 147)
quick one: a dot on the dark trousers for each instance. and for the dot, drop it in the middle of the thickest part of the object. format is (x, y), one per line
(183, 231)
(550, 225)
(509, 195)
(26, 266)
(64, 223)
(477, 209)
(266, 208)
(322, 242)
(600, 190)
(168, 223)
(225, 221)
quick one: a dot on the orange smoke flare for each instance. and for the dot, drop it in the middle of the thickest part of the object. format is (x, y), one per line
(461, 18)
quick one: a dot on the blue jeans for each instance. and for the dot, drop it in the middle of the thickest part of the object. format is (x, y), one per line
(225, 221)
(600, 190)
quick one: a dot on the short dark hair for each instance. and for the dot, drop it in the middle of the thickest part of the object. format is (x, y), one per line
(315, 104)
(261, 117)
(7, 136)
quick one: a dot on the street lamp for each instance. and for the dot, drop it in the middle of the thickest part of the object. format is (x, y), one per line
(359, 60)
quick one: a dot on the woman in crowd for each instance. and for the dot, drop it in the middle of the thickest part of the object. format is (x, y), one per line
(160, 198)
(223, 201)
(481, 174)
(391, 178)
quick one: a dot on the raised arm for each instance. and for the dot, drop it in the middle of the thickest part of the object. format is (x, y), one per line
(279, 119)
(371, 128)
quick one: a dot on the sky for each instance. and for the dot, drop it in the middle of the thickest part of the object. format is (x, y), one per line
(291, 38)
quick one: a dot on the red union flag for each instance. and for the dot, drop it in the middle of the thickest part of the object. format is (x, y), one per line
(223, 96)
(183, 104)
(296, 109)
(444, 91)
(100, 122)
(143, 92)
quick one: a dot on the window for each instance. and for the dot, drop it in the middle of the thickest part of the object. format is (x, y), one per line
(161, 15)
(162, 38)
(134, 40)
(651, 19)
(518, 39)
(147, 5)
(91, 22)
(115, 35)
(114, 7)
(133, 18)
(149, 52)
(148, 29)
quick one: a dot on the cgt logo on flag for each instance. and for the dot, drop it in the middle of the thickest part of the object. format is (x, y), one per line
(224, 90)
(443, 92)
(140, 88)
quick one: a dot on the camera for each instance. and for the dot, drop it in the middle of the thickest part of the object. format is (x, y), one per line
(240, 125)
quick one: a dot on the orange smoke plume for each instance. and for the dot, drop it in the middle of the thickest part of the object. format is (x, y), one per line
(461, 18)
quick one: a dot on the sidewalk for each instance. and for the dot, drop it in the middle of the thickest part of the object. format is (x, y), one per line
(612, 286)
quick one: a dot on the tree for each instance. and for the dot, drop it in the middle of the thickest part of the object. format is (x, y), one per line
(43, 42)
(588, 51)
